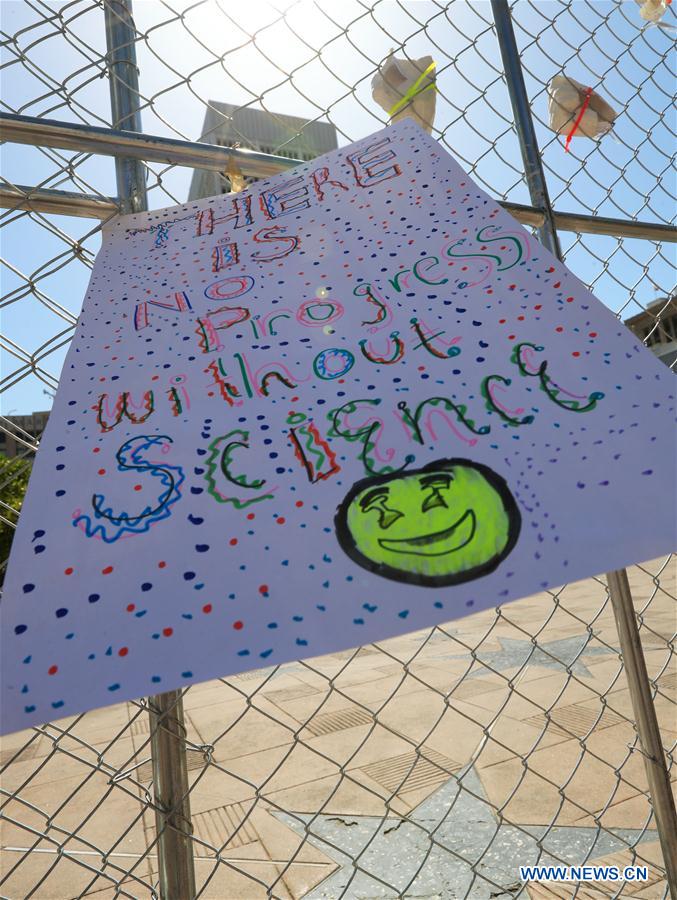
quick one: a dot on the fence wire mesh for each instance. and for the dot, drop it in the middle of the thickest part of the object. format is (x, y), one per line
(425, 766)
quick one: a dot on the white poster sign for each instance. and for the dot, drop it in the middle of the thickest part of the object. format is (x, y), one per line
(352, 401)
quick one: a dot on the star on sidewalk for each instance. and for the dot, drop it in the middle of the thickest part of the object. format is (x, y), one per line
(474, 855)
(514, 653)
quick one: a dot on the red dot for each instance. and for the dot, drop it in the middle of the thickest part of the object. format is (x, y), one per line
(233, 542)
(511, 337)
(101, 472)
(570, 299)
(96, 450)
(68, 571)
(501, 321)
(168, 632)
(52, 670)
(251, 516)
(123, 651)
(538, 306)
(238, 625)
(207, 608)
(520, 318)
(575, 353)
(593, 334)
(131, 607)
(263, 589)
(137, 487)
(107, 570)
(559, 328)
(280, 520)
(161, 564)
(299, 503)
(557, 284)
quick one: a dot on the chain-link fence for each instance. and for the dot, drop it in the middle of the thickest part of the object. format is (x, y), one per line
(430, 765)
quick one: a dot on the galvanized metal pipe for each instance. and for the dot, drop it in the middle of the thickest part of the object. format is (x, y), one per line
(646, 722)
(168, 731)
(172, 799)
(123, 77)
(58, 203)
(151, 148)
(531, 157)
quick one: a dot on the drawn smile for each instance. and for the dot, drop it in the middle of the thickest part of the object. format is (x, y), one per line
(438, 544)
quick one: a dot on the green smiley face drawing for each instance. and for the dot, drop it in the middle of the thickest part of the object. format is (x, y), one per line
(449, 522)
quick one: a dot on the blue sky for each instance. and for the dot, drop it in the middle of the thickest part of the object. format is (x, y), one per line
(196, 52)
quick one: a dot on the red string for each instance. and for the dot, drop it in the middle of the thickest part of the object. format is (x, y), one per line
(588, 94)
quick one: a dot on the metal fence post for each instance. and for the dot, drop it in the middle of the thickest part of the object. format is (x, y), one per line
(124, 99)
(168, 731)
(619, 588)
(526, 133)
(645, 719)
(172, 799)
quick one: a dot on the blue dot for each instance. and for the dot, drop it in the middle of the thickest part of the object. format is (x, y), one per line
(202, 548)
(19, 629)
(186, 674)
(114, 687)
(27, 588)
(94, 598)
(146, 586)
(155, 679)
(60, 613)
(188, 576)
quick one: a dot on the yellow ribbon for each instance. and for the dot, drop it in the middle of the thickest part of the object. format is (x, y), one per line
(414, 91)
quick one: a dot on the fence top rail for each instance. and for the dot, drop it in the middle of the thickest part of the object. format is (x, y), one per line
(131, 145)
(153, 148)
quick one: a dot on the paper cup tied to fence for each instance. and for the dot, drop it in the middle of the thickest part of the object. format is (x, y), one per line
(653, 10)
(577, 111)
(351, 401)
(449, 522)
(405, 88)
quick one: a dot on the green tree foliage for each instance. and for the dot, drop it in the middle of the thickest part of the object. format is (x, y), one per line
(14, 475)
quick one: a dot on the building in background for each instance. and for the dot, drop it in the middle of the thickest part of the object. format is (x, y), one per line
(14, 428)
(256, 129)
(657, 327)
